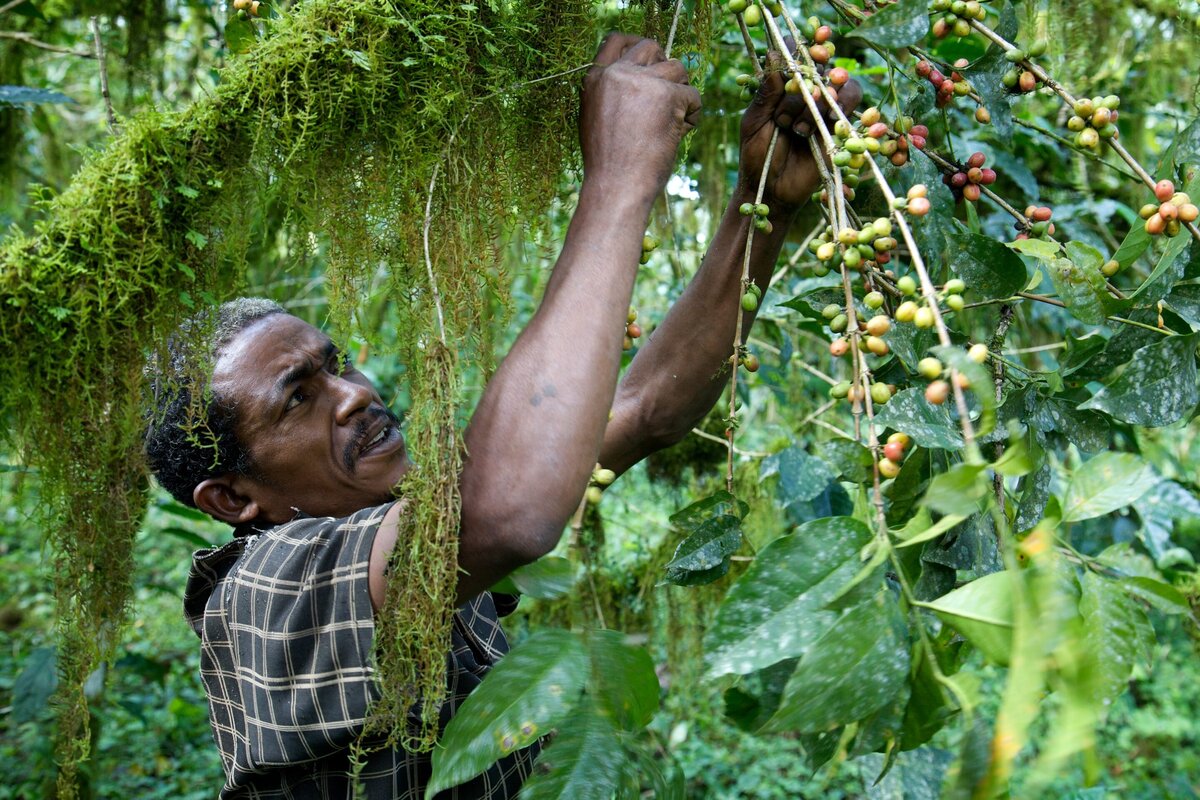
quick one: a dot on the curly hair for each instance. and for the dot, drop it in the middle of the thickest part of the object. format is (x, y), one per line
(190, 435)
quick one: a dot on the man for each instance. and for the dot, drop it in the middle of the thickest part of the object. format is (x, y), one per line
(307, 454)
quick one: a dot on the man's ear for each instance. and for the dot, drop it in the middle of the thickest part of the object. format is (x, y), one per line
(221, 499)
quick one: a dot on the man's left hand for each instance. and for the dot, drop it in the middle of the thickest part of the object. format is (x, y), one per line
(793, 176)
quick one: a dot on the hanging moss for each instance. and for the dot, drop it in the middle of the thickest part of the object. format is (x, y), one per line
(339, 113)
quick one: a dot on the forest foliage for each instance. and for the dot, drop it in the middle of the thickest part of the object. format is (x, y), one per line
(938, 549)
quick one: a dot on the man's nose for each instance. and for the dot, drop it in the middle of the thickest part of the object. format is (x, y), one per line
(351, 398)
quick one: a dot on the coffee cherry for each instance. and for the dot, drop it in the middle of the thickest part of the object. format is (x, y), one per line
(902, 439)
(603, 477)
(906, 311)
(879, 325)
(750, 362)
(955, 302)
(880, 393)
(254, 6)
(930, 368)
(972, 192)
(749, 301)
(1014, 55)
(838, 323)
(1027, 82)
(752, 15)
(1087, 138)
(1110, 268)
(978, 353)
(871, 116)
(823, 34)
(888, 468)
(937, 392)
(918, 206)
(819, 53)
(923, 318)
(1188, 212)
(633, 330)
(839, 348)
(1155, 225)
(830, 311)
(894, 451)
(241, 5)
(877, 346)
(838, 76)
(983, 116)
(649, 242)
(746, 209)
(839, 390)
(594, 494)
(873, 300)
(907, 285)
(1163, 190)
(632, 315)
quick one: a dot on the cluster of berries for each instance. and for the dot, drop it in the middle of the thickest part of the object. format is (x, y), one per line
(601, 477)
(922, 315)
(1018, 79)
(632, 329)
(938, 389)
(949, 88)
(844, 390)
(1093, 120)
(855, 248)
(1173, 209)
(1040, 225)
(968, 181)
(248, 8)
(915, 202)
(893, 454)
(759, 212)
(956, 17)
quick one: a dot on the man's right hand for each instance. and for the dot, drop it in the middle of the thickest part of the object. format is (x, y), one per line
(637, 106)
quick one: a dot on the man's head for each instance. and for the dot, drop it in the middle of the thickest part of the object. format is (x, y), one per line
(287, 425)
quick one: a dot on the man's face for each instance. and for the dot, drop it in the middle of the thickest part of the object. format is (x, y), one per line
(317, 431)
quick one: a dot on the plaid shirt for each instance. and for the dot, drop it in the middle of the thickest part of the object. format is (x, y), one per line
(285, 623)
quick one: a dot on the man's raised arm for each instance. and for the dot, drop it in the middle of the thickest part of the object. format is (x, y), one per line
(536, 433)
(680, 372)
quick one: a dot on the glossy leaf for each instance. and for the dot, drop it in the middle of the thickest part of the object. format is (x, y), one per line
(529, 692)
(1157, 388)
(990, 269)
(704, 556)
(547, 578)
(1105, 483)
(1081, 287)
(1116, 631)
(801, 477)
(714, 505)
(1166, 503)
(958, 490)
(777, 608)
(921, 528)
(624, 684)
(585, 761)
(898, 25)
(28, 95)
(927, 424)
(982, 611)
(853, 670)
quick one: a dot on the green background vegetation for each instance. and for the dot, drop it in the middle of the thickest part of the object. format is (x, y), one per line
(216, 141)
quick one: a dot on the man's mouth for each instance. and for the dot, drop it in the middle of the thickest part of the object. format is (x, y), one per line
(368, 443)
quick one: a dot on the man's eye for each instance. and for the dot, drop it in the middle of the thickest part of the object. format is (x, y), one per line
(296, 399)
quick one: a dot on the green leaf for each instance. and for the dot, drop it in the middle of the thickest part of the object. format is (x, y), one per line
(991, 270)
(1134, 244)
(928, 425)
(27, 95)
(28, 9)
(921, 528)
(1115, 631)
(703, 557)
(32, 689)
(240, 34)
(1159, 509)
(776, 609)
(585, 761)
(959, 490)
(1105, 483)
(1166, 272)
(899, 25)
(1157, 388)
(624, 684)
(722, 502)
(191, 537)
(548, 578)
(530, 691)
(801, 477)
(982, 611)
(1081, 287)
(1041, 249)
(855, 669)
